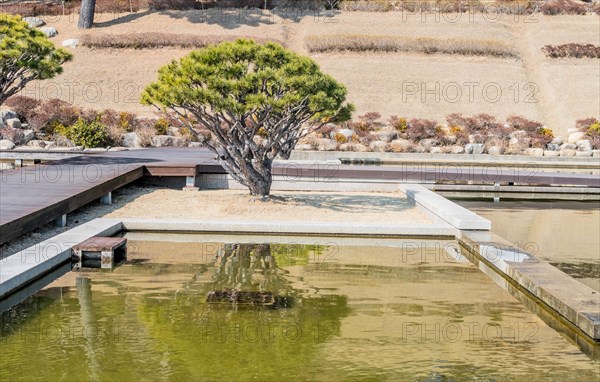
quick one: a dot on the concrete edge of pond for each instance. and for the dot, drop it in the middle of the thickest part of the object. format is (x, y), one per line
(26, 266)
(457, 216)
(571, 299)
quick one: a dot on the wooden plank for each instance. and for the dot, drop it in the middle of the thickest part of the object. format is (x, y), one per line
(99, 243)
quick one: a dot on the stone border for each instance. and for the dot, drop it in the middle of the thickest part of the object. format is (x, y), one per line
(571, 299)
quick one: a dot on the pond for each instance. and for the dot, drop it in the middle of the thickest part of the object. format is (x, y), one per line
(331, 310)
(566, 234)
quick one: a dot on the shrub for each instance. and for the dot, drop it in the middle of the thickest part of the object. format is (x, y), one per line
(84, 133)
(572, 50)
(51, 113)
(518, 122)
(23, 106)
(398, 123)
(340, 138)
(145, 133)
(161, 126)
(366, 123)
(562, 7)
(149, 40)
(429, 45)
(419, 129)
(583, 124)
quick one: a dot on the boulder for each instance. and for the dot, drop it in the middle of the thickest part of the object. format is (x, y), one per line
(553, 146)
(558, 141)
(534, 152)
(574, 137)
(584, 154)
(49, 31)
(400, 145)
(596, 153)
(418, 149)
(167, 141)
(95, 150)
(13, 123)
(356, 147)
(551, 153)
(325, 144)
(28, 135)
(34, 22)
(71, 42)
(568, 146)
(6, 144)
(378, 146)
(514, 142)
(132, 140)
(301, 147)
(428, 143)
(347, 133)
(7, 114)
(198, 144)
(567, 152)
(435, 150)
(457, 149)
(385, 135)
(474, 148)
(584, 145)
(495, 150)
(41, 145)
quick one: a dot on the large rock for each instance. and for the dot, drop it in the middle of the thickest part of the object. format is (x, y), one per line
(7, 114)
(584, 154)
(49, 31)
(356, 147)
(568, 146)
(132, 140)
(400, 145)
(435, 150)
(457, 150)
(71, 42)
(596, 153)
(429, 143)
(386, 135)
(325, 144)
(495, 150)
(551, 153)
(41, 145)
(28, 135)
(558, 141)
(378, 146)
(574, 137)
(567, 152)
(34, 22)
(518, 134)
(13, 123)
(6, 144)
(534, 152)
(198, 144)
(299, 146)
(347, 133)
(167, 141)
(553, 146)
(418, 149)
(474, 148)
(584, 145)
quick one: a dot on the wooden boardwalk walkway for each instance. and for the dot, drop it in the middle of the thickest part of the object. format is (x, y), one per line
(36, 195)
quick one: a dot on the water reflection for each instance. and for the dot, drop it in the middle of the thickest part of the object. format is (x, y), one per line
(372, 314)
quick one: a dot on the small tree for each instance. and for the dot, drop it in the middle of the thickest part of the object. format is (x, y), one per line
(256, 100)
(25, 55)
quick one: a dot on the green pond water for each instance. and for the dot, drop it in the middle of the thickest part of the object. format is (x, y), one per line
(566, 234)
(403, 311)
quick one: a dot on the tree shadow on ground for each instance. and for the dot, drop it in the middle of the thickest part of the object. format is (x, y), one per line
(350, 203)
(119, 19)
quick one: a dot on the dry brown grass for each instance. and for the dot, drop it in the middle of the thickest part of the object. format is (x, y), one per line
(572, 50)
(429, 45)
(154, 40)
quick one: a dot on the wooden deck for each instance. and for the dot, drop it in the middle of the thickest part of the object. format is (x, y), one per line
(33, 196)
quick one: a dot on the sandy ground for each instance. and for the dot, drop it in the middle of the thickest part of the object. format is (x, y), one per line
(220, 205)
(556, 92)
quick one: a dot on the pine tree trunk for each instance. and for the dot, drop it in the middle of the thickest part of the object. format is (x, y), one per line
(86, 14)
